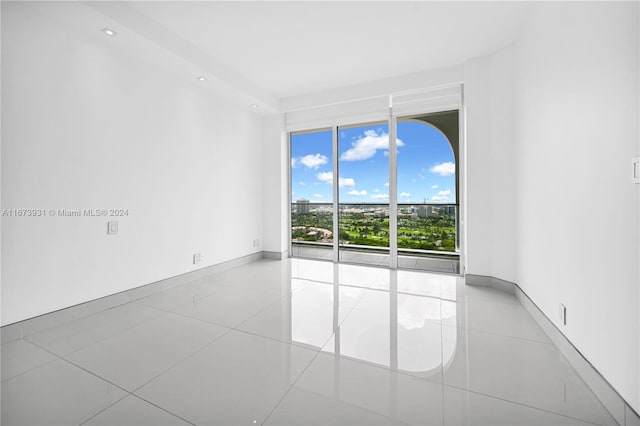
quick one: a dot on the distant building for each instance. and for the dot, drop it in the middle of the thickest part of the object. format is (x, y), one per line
(425, 211)
(302, 206)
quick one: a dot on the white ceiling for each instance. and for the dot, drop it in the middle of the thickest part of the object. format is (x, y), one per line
(289, 48)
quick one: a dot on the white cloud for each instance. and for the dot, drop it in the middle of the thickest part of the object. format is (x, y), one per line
(444, 169)
(434, 186)
(327, 177)
(405, 195)
(318, 195)
(303, 184)
(442, 196)
(367, 145)
(313, 161)
(294, 162)
(386, 184)
(346, 182)
(356, 192)
(380, 196)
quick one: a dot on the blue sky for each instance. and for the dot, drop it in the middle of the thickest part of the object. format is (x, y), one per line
(425, 165)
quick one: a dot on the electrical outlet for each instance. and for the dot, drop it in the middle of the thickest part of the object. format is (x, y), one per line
(563, 314)
(197, 258)
(256, 242)
(112, 227)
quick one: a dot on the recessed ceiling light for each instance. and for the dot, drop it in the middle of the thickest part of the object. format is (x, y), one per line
(202, 79)
(109, 32)
(254, 106)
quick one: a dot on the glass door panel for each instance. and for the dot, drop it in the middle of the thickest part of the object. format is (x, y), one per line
(363, 194)
(312, 194)
(427, 198)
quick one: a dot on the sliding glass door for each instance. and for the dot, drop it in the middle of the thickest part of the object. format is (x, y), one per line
(353, 200)
(312, 194)
(427, 197)
(363, 170)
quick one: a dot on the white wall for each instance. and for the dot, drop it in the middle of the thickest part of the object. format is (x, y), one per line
(87, 125)
(552, 123)
(478, 200)
(275, 184)
(576, 114)
(491, 230)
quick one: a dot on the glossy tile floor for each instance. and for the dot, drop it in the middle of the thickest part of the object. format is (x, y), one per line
(299, 342)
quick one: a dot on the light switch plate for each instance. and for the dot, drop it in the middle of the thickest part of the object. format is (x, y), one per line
(635, 170)
(112, 227)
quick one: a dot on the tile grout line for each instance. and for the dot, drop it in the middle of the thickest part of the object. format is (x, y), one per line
(103, 410)
(289, 388)
(476, 330)
(28, 338)
(133, 392)
(23, 336)
(162, 408)
(127, 393)
(180, 314)
(82, 368)
(32, 368)
(532, 407)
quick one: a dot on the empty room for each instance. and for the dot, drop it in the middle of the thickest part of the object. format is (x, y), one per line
(320, 213)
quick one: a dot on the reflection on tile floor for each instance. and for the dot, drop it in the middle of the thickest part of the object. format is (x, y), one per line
(299, 342)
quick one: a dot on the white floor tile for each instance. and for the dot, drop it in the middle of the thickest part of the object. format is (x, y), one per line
(471, 409)
(508, 319)
(19, 356)
(313, 270)
(267, 276)
(56, 393)
(132, 411)
(335, 390)
(427, 284)
(85, 331)
(135, 356)
(416, 345)
(303, 407)
(364, 276)
(228, 306)
(522, 371)
(308, 317)
(299, 342)
(181, 294)
(238, 379)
